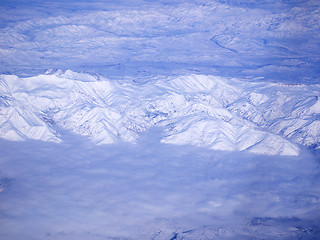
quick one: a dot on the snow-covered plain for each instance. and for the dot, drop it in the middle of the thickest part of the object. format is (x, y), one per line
(274, 39)
(159, 119)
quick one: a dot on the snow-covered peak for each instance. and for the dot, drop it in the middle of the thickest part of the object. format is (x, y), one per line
(207, 111)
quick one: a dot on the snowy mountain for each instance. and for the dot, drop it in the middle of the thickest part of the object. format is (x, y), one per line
(215, 112)
(167, 119)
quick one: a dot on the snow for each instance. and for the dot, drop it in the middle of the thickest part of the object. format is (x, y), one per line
(220, 113)
(277, 40)
(315, 109)
(163, 120)
(17, 124)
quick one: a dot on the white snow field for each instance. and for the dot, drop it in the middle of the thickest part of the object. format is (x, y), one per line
(274, 39)
(159, 119)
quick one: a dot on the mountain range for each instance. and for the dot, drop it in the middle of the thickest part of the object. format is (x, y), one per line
(203, 110)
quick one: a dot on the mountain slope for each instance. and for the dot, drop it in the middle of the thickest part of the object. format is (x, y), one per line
(208, 111)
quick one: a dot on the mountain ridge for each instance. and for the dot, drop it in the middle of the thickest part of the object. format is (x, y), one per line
(215, 112)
